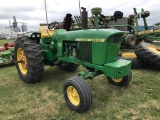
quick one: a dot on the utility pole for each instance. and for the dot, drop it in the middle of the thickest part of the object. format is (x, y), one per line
(46, 11)
(10, 27)
(80, 7)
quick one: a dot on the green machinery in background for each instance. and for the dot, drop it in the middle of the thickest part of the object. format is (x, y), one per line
(6, 56)
(135, 35)
(102, 20)
(95, 49)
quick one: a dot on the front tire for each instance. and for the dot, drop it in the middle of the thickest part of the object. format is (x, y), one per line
(77, 94)
(29, 60)
(122, 82)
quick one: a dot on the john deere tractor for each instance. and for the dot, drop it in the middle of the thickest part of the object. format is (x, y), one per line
(95, 49)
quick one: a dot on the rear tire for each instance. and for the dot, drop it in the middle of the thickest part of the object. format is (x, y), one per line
(137, 64)
(149, 54)
(77, 94)
(30, 67)
(122, 82)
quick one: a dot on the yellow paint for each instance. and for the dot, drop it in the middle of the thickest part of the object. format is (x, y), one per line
(148, 31)
(90, 40)
(117, 80)
(73, 96)
(157, 30)
(129, 55)
(45, 32)
(22, 57)
(154, 49)
(145, 32)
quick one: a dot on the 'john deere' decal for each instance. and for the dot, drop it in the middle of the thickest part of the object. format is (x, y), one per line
(90, 40)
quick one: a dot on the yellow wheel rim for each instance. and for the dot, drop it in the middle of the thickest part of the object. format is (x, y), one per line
(117, 80)
(73, 95)
(21, 58)
(129, 55)
(154, 49)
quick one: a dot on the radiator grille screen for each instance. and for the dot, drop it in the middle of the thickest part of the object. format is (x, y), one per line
(85, 51)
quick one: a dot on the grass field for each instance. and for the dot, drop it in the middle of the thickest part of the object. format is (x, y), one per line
(44, 100)
(3, 41)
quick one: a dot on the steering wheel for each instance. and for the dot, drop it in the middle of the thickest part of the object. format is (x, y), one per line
(54, 25)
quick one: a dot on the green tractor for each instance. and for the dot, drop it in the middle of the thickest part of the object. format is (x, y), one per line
(95, 49)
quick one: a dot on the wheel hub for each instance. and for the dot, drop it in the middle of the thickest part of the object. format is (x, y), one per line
(73, 95)
(22, 57)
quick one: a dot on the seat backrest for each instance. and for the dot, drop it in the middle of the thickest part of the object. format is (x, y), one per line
(45, 32)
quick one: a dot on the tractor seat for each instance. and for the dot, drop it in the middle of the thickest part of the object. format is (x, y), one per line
(45, 32)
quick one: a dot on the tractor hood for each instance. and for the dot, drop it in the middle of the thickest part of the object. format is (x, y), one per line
(97, 35)
(97, 46)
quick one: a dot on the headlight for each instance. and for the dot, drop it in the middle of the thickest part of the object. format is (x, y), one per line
(38, 35)
(33, 36)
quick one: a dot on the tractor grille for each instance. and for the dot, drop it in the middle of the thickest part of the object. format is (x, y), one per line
(85, 51)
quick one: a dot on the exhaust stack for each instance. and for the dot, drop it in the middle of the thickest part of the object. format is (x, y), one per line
(84, 18)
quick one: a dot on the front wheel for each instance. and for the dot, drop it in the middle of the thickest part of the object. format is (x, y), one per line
(77, 94)
(121, 81)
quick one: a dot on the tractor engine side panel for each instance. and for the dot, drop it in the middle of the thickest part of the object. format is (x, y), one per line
(99, 53)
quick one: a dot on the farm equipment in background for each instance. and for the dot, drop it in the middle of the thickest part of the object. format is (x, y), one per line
(6, 57)
(7, 46)
(145, 54)
(95, 49)
(135, 35)
(102, 20)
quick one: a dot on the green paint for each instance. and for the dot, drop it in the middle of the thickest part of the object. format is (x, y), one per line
(6, 58)
(89, 75)
(96, 11)
(99, 53)
(118, 69)
(47, 47)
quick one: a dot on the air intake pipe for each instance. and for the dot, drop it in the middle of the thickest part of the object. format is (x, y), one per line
(96, 11)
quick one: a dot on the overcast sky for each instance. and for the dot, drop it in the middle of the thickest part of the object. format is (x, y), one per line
(32, 12)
